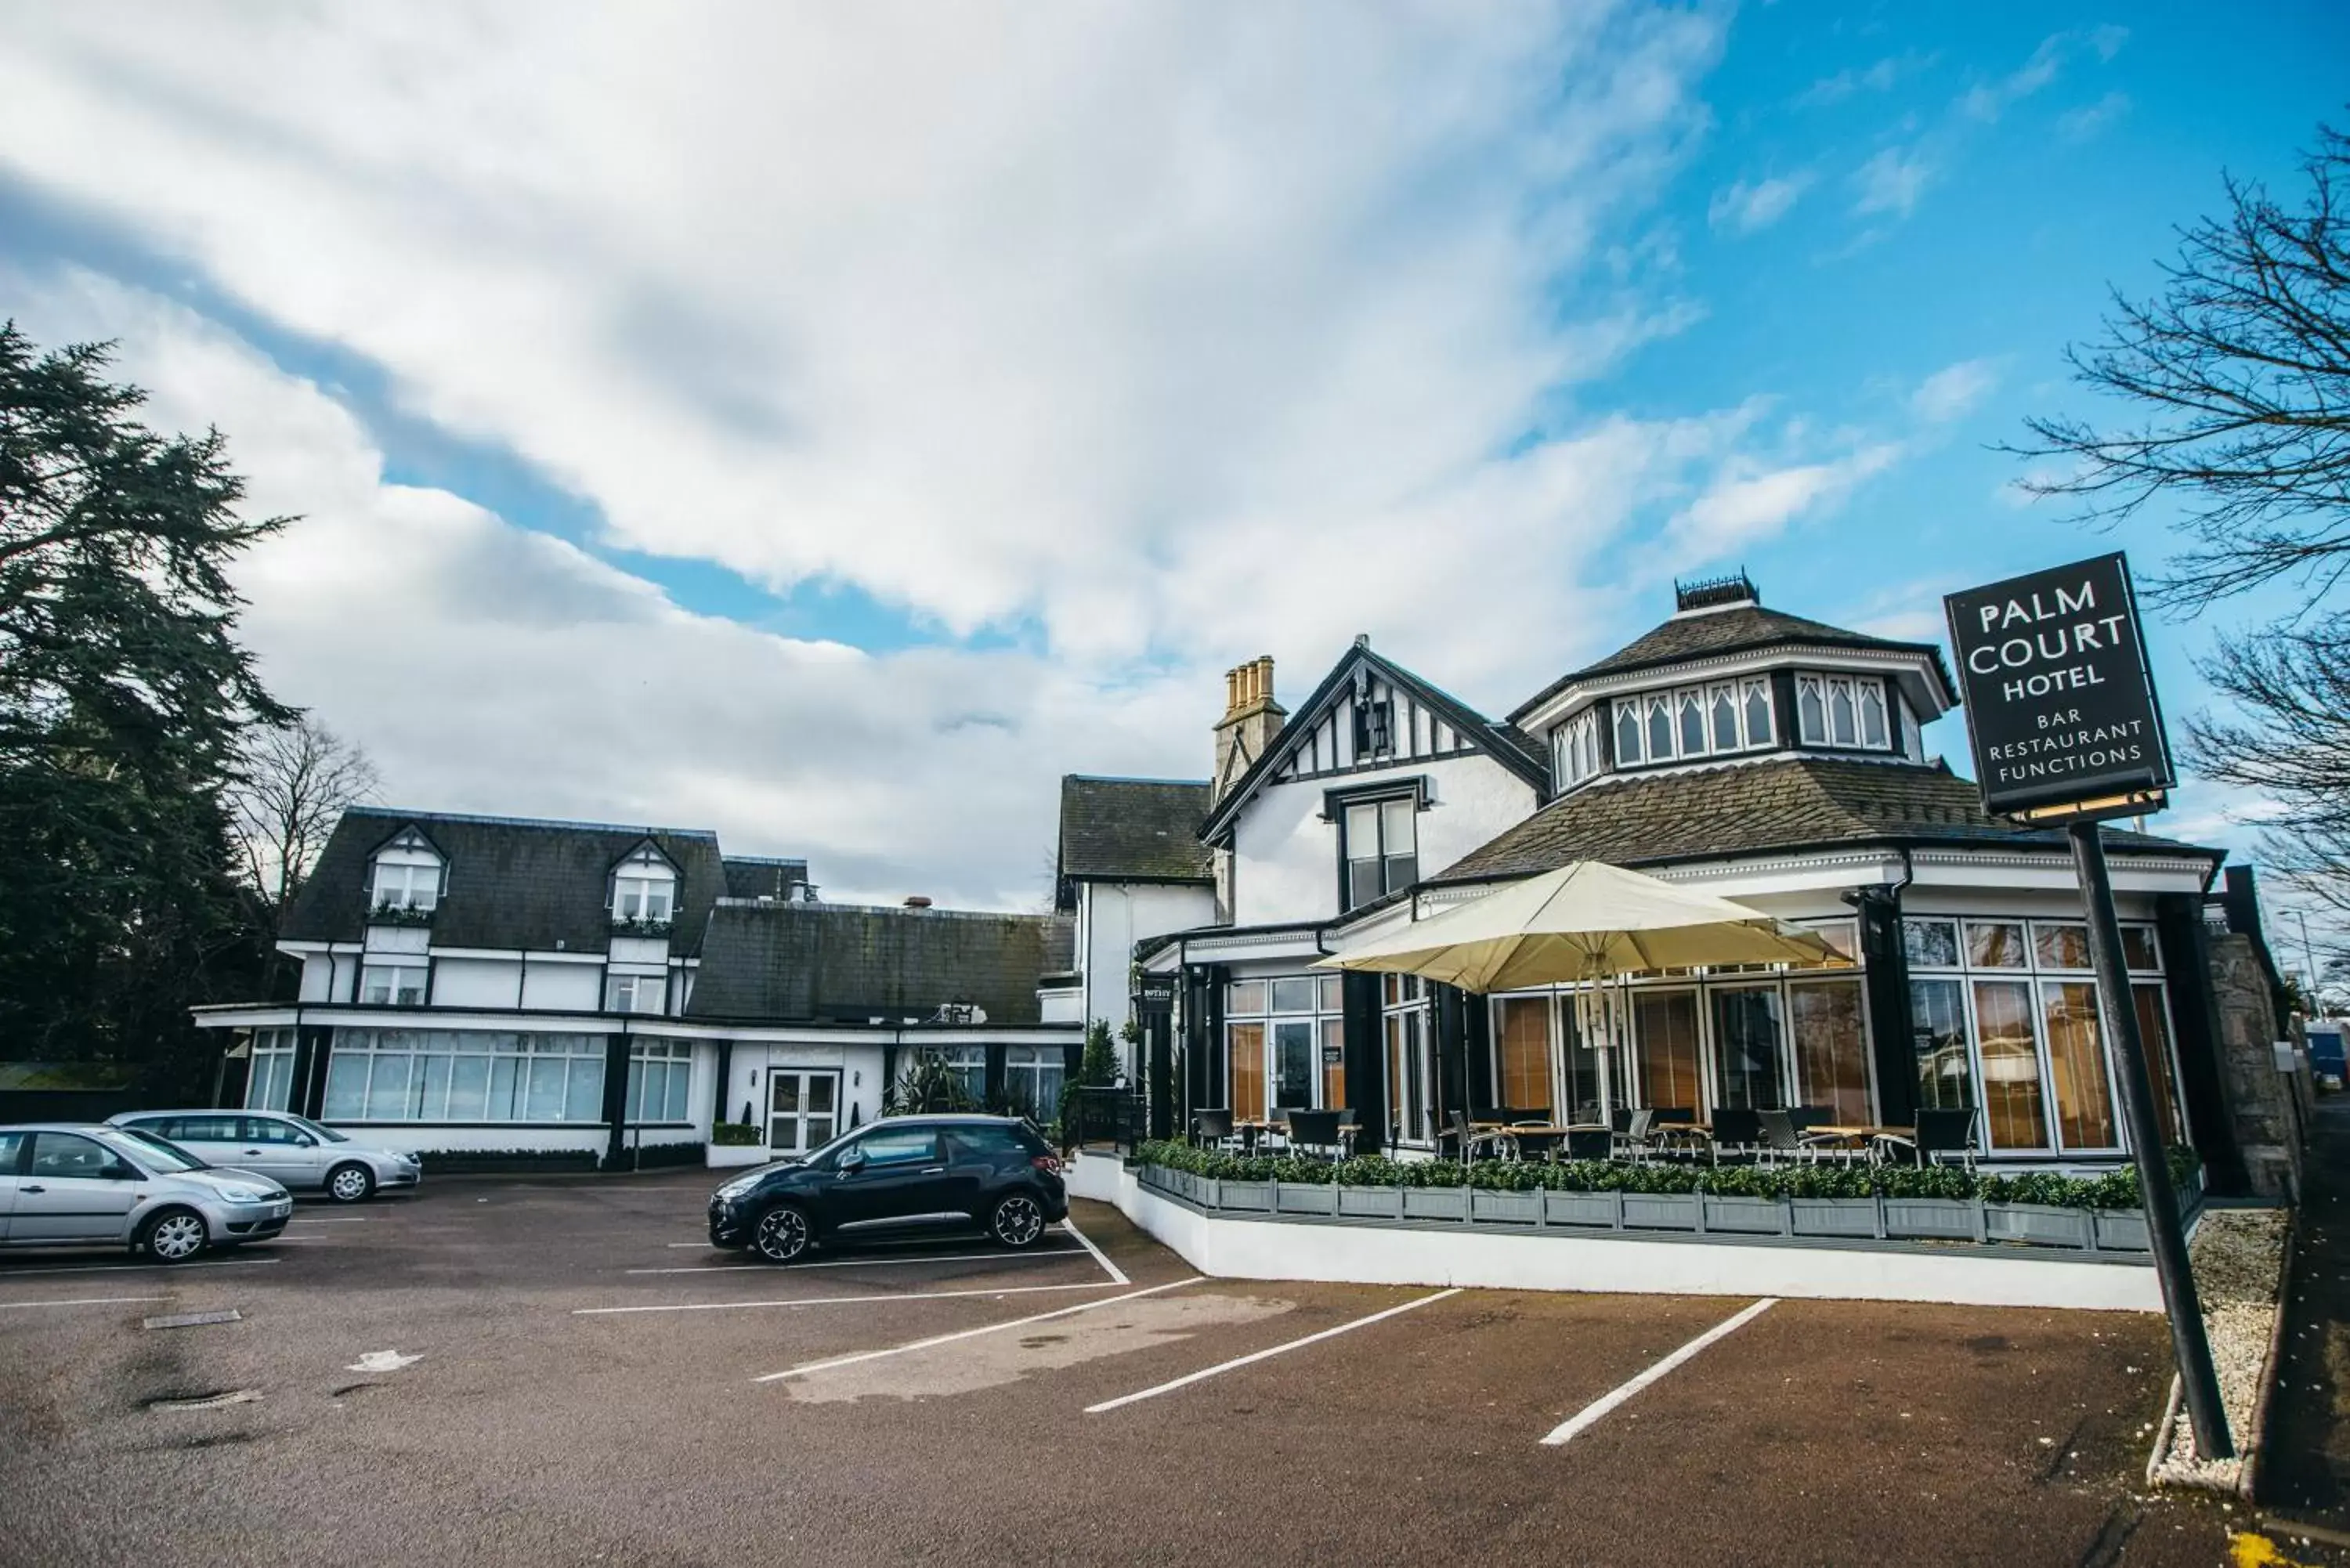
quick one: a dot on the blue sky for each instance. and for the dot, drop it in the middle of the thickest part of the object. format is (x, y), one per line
(832, 427)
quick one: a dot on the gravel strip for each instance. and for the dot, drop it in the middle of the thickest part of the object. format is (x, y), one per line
(2238, 1260)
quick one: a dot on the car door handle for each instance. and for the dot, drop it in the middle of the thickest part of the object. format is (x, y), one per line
(32, 1190)
(931, 1170)
(255, 1152)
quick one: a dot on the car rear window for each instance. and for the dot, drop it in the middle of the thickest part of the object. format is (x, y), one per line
(992, 1140)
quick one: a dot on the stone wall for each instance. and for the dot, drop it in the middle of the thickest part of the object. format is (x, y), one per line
(2270, 1107)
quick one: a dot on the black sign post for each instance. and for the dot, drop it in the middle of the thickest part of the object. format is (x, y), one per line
(2061, 707)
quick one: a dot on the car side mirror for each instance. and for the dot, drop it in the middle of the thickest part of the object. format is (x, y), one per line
(852, 1162)
(120, 1172)
(304, 1140)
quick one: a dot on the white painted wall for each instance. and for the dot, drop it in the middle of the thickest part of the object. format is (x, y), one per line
(563, 987)
(859, 1066)
(1285, 857)
(1111, 918)
(477, 982)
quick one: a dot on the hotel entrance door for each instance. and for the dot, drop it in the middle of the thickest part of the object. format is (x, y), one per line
(802, 1108)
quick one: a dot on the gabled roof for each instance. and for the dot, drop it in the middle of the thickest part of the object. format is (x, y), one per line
(1133, 830)
(1510, 747)
(1789, 802)
(848, 963)
(1710, 632)
(511, 882)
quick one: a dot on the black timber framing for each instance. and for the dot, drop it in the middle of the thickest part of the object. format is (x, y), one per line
(719, 1080)
(313, 1049)
(1884, 992)
(615, 1096)
(1451, 1052)
(1366, 1060)
(1477, 1038)
(991, 1094)
(2195, 1027)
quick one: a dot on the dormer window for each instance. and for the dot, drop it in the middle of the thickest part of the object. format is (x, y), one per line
(1846, 710)
(644, 890)
(1575, 747)
(1688, 723)
(1379, 848)
(407, 877)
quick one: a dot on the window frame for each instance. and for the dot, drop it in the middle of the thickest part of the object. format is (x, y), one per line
(1338, 805)
(421, 968)
(1825, 687)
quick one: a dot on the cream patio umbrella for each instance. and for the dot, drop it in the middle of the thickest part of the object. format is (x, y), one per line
(1586, 920)
(1583, 924)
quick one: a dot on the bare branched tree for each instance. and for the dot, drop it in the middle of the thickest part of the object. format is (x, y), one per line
(292, 785)
(2243, 367)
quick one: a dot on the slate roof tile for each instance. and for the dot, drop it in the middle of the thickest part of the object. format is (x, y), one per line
(1143, 830)
(1786, 802)
(799, 962)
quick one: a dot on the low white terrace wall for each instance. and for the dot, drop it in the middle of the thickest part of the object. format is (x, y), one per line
(1435, 1253)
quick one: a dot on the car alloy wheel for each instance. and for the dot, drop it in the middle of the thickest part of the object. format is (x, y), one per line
(175, 1236)
(349, 1183)
(782, 1234)
(1018, 1222)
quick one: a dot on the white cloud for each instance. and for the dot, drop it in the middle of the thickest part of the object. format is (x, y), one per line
(1749, 502)
(1745, 207)
(1953, 391)
(2080, 124)
(1879, 76)
(1988, 100)
(1892, 182)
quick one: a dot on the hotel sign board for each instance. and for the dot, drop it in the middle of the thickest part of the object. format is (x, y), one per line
(2060, 701)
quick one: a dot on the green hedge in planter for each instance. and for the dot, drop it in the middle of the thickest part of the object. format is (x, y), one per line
(733, 1135)
(2116, 1189)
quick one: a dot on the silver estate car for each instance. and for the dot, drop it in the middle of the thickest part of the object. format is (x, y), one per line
(287, 1148)
(67, 1184)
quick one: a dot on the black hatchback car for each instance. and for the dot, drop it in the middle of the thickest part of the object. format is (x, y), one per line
(898, 1176)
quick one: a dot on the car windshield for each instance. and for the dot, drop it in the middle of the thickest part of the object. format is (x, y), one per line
(146, 1150)
(324, 1134)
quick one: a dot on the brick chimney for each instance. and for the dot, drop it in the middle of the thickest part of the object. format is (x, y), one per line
(1251, 722)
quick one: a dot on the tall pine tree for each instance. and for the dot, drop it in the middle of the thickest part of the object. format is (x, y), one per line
(122, 697)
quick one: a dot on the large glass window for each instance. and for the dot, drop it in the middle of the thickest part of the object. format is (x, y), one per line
(1282, 1061)
(392, 984)
(1746, 1048)
(2014, 1103)
(1409, 1039)
(1247, 1068)
(1627, 732)
(660, 1075)
(1033, 1076)
(2154, 1030)
(1382, 856)
(1333, 1062)
(1293, 1062)
(1831, 1048)
(1938, 1031)
(1521, 1052)
(2077, 1062)
(967, 1065)
(1667, 1026)
(407, 877)
(635, 993)
(1583, 1091)
(269, 1077)
(435, 1075)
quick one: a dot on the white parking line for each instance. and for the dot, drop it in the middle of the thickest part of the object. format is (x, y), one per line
(1583, 1419)
(1049, 1254)
(974, 1332)
(839, 1301)
(1206, 1372)
(5, 1275)
(85, 1301)
(1085, 1241)
(328, 1219)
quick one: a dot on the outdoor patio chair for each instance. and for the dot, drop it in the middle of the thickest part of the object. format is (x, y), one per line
(1676, 1115)
(1212, 1128)
(1806, 1117)
(1590, 1143)
(1737, 1134)
(1938, 1134)
(1536, 1145)
(1619, 1121)
(1467, 1140)
(1780, 1140)
(1348, 1130)
(1633, 1141)
(1314, 1130)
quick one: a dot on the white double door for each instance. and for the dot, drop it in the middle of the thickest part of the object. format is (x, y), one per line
(802, 1108)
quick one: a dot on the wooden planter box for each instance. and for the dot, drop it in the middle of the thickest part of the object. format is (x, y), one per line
(1745, 1216)
(1435, 1202)
(1255, 1195)
(1660, 1210)
(1371, 1202)
(1933, 1218)
(1508, 1208)
(1834, 1216)
(1303, 1198)
(1592, 1210)
(2121, 1230)
(2039, 1224)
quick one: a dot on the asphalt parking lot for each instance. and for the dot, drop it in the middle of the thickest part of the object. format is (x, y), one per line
(562, 1371)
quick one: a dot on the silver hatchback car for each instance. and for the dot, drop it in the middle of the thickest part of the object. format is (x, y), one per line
(291, 1149)
(67, 1184)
